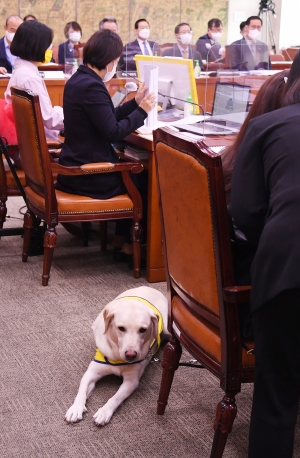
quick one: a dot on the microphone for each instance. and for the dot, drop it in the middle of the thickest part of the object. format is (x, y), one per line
(286, 50)
(209, 48)
(181, 100)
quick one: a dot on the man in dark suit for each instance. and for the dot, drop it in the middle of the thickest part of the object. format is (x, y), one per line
(249, 53)
(208, 45)
(139, 46)
(183, 48)
(6, 58)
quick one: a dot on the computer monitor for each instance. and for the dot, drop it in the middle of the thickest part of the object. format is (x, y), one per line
(176, 80)
(230, 98)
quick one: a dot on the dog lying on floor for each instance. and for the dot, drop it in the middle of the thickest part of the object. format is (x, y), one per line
(127, 332)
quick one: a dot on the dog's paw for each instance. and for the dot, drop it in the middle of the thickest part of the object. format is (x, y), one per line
(74, 413)
(103, 415)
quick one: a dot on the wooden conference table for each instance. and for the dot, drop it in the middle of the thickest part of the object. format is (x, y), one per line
(155, 270)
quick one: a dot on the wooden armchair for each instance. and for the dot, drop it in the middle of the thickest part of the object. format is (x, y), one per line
(203, 301)
(290, 53)
(54, 206)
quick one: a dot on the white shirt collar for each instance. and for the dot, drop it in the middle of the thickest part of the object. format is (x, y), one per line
(6, 42)
(182, 49)
(140, 41)
(25, 63)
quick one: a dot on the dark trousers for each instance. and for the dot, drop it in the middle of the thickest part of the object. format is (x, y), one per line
(277, 377)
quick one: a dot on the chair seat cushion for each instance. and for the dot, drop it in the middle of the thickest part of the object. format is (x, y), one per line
(75, 204)
(202, 333)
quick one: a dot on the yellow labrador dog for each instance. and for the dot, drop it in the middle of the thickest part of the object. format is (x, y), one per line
(127, 332)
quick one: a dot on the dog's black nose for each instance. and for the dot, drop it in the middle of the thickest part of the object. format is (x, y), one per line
(130, 355)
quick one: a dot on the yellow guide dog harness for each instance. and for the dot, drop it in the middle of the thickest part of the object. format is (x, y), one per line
(155, 344)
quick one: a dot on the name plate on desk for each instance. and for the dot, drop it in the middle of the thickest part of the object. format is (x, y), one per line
(52, 75)
(124, 74)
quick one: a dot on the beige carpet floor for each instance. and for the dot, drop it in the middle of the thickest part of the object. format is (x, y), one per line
(46, 344)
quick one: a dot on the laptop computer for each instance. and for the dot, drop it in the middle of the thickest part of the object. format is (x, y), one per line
(230, 107)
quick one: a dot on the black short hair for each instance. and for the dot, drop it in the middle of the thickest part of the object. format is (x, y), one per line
(242, 25)
(214, 22)
(177, 28)
(74, 26)
(29, 17)
(31, 41)
(136, 24)
(250, 18)
(101, 48)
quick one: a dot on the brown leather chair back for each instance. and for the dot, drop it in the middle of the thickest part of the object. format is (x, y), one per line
(78, 52)
(290, 53)
(227, 62)
(190, 221)
(276, 58)
(33, 145)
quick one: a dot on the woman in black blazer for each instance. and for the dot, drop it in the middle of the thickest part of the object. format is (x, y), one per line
(265, 205)
(91, 122)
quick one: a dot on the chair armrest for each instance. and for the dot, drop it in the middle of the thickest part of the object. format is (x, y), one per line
(108, 167)
(54, 145)
(97, 167)
(236, 294)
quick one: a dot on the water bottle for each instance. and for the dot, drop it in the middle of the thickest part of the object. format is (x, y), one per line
(75, 67)
(188, 107)
(197, 69)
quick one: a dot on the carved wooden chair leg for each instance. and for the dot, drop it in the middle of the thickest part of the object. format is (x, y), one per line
(171, 358)
(29, 222)
(50, 237)
(225, 415)
(103, 235)
(136, 234)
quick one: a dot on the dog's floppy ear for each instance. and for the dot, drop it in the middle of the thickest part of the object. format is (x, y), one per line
(155, 319)
(107, 317)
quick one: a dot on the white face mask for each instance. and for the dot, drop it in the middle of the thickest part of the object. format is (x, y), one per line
(254, 34)
(144, 34)
(9, 35)
(216, 35)
(185, 38)
(74, 36)
(110, 74)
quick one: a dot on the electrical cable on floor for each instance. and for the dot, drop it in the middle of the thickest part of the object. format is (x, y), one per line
(13, 217)
(190, 363)
(24, 206)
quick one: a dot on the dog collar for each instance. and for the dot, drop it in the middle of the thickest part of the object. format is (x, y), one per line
(155, 344)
